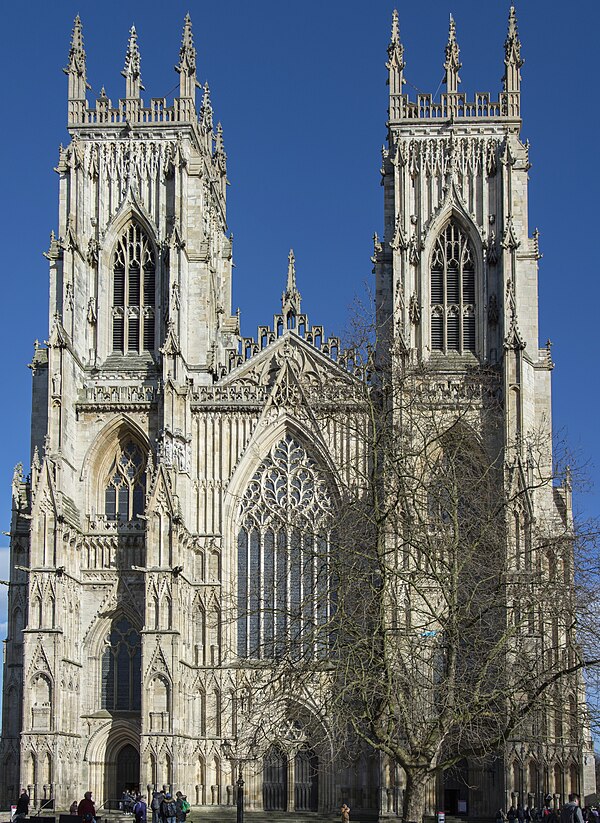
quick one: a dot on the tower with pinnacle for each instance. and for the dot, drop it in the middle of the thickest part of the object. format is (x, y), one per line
(182, 477)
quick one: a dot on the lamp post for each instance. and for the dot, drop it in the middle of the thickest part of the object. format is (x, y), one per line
(230, 754)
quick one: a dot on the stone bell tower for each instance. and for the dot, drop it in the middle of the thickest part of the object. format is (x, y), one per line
(140, 313)
(457, 294)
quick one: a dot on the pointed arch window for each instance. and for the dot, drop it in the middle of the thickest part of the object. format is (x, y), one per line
(453, 293)
(134, 292)
(122, 668)
(284, 544)
(125, 485)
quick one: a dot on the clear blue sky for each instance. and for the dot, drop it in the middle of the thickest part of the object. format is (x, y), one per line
(300, 90)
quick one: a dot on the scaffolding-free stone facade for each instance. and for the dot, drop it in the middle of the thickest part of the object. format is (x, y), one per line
(152, 418)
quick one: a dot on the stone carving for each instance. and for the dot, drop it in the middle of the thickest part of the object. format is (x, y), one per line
(414, 310)
(175, 450)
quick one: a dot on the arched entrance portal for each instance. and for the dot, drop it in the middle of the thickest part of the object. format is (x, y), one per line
(275, 780)
(306, 772)
(128, 770)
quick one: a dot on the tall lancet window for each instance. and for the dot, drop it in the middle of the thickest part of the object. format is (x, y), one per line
(125, 485)
(453, 292)
(122, 668)
(284, 600)
(134, 292)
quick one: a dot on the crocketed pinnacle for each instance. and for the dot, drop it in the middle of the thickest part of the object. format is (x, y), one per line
(131, 72)
(290, 300)
(512, 49)
(452, 64)
(187, 61)
(395, 48)
(76, 51)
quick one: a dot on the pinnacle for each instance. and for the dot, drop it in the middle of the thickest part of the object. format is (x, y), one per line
(291, 276)
(131, 70)
(290, 299)
(395, 28)
(76, 51)
(452, 31)
(452, 63)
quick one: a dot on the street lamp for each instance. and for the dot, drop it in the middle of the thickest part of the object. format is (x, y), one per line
(230, 755)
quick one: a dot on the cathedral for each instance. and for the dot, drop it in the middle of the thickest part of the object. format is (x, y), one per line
(166, 448)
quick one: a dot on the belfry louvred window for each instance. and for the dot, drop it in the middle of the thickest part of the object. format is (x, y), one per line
(134, 292)
(452, 292)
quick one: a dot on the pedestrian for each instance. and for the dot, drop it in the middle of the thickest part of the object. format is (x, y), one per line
(22, 805)
(73, 808)
(570, 812)
(345, 810)
(168, 809)
(86, 809)
(182, 806)
(140, 810)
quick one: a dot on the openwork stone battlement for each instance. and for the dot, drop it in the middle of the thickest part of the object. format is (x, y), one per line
(454, 104)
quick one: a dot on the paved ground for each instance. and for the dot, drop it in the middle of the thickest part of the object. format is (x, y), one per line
(217, 814)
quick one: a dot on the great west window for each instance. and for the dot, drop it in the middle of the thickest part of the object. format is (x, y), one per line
(284, 541)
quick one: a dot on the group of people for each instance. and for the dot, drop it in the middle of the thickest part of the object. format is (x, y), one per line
(168, 809)
(571, 812)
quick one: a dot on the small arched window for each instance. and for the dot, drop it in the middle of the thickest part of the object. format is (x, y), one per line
(452, 293)
(134, 292)
(125, 485)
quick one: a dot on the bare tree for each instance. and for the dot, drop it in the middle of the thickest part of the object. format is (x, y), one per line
(434, 618)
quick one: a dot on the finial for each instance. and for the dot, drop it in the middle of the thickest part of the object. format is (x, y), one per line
(452, 64)
(206, 112)
(131, 72)
(512, 61)
(290, 300)
(186, 67)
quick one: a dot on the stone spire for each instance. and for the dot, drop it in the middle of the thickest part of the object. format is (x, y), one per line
(290, 300)
(131, 72)
(76, 72)
(452, 64)
(395, 64)
(206, 112)
(512, 62)
(186, 67)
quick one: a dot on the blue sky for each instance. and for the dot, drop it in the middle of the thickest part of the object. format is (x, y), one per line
(300, 90)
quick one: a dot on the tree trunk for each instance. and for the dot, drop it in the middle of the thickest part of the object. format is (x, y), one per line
(413, 807)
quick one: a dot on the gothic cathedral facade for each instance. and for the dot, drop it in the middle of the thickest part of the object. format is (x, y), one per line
(158, 433)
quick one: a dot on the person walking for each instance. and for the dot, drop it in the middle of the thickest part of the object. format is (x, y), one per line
(87, 809)
(22, 805)
(140, 809)
(571, 812)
